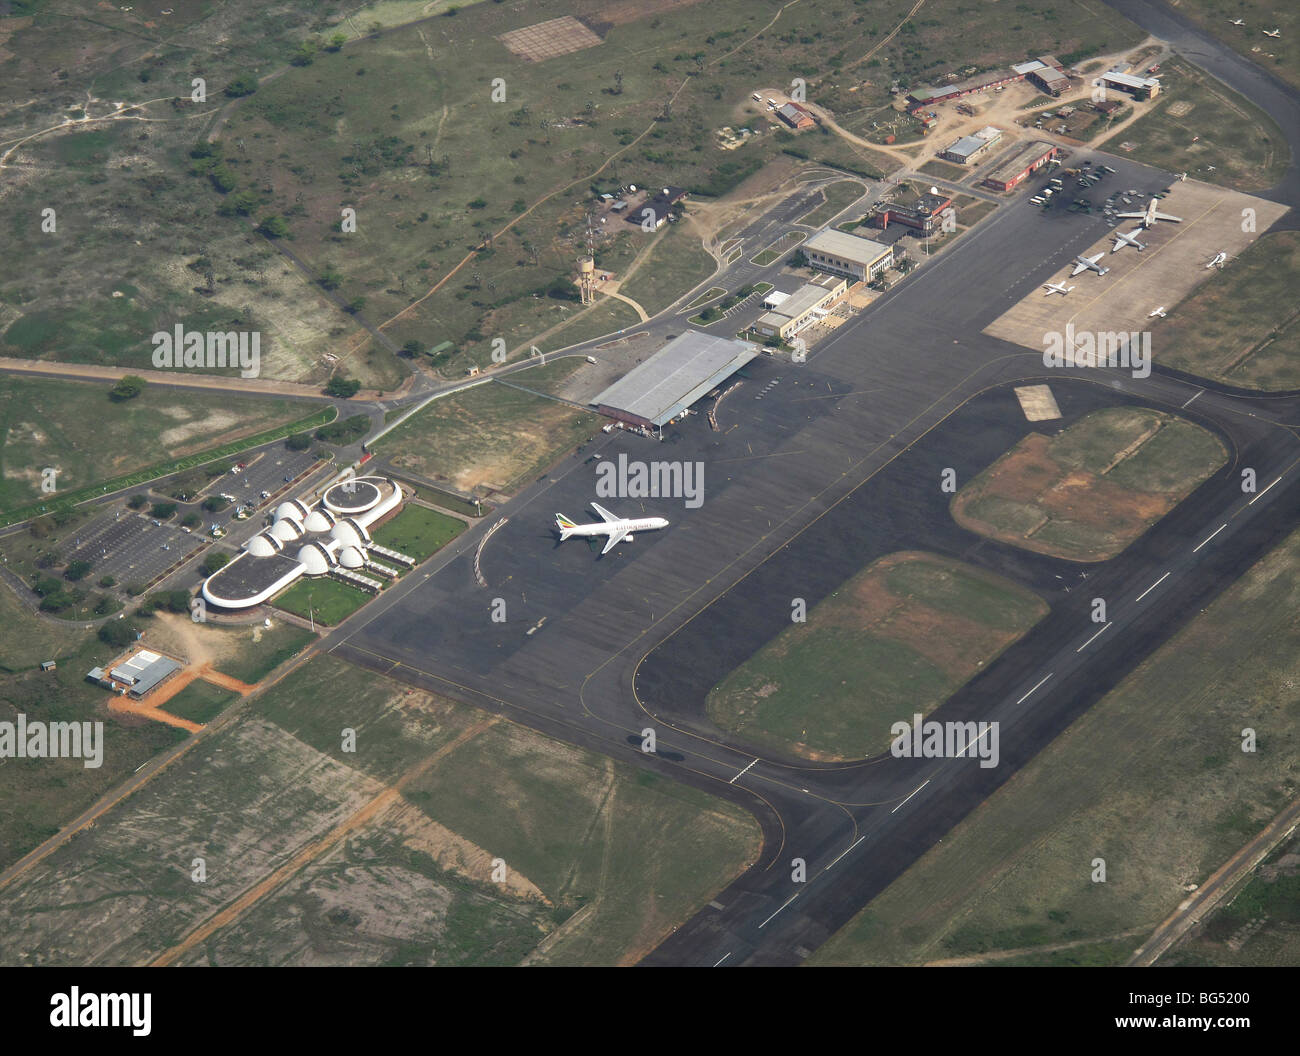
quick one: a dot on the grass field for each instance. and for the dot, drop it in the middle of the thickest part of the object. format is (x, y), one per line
(418, 531)
(327, 601)
(75, 428)
(1245, 147)
(489, 438)
(1280, 57)
(250, 654)
(1241, 326)
(38, 796)
(1259, 926)
(896, 639)
(1152, 779)
(200, 702)
(1087, 492)
(837, 196)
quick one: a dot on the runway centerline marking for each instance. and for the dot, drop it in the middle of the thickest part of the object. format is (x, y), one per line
(914, 792)
(722, 958)
(1105, 627)
(1208, 537)
(742, 773)
(844, 852)
(1031, 692)
(1154, 585)
(788, 901)
(1261, 494)
(1198, 392)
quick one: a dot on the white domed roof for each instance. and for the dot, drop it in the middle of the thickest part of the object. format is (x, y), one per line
(292, 509)
(346, 533)
(316, 559)
(286, 528)
(319, 520)
(263, 545)
(351, 557)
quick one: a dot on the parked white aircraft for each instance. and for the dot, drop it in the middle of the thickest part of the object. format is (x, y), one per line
(1218, 261)
(1057, 287)
(1149, 215)
(1236, 22)
(1082, 263)
(1130, 238)
(617, 528)
(1159, 311)
(1182, 176)
(1274, 33)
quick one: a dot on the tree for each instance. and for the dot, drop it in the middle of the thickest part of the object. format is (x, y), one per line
(215, 561)
(76, 570)
(298, 442)
(118, 633)
(330, 279)
(107, 581)
(214, 503)
(162, 510)
(137, 502)
(411, 349)
(355, 305)
(273, 226)
(336, 42)
(128, 388)
(342, 388)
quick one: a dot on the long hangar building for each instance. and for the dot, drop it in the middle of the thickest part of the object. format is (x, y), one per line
(675, 377)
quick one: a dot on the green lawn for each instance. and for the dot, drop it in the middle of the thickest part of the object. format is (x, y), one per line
(324, 600)
(837, 196)
(200, 702)
(418, 531)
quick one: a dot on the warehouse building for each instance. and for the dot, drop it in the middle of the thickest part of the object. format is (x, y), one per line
(658, 390)
(1015, 169)
(810, 303)
(1137, 87)
(969, 148)
(845, 254)
(795, 116)
(1043, 70)
(136, 676)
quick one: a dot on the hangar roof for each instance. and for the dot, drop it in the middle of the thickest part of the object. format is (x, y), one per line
(676, 376)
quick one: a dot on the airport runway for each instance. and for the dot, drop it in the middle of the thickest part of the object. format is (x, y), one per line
(818, 469)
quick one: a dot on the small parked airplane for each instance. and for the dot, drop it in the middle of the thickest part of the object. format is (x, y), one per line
(1274, 33)
(1159, 311)
(1057, 287)
(1182, 176)
(1149, 215)
(617, 528)
(1236, 22)
(1130, 239)
(1082, 263)
(1218, 261)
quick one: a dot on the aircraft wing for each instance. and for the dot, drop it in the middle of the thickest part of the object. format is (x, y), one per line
(605, 515)
(1132, 216)
(614, 538)
(1166, 216)
(1078, 268)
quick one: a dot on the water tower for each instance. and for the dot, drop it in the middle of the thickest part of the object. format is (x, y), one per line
(586, 279)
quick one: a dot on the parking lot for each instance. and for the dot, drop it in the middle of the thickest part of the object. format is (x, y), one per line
(131, 548)
(267, 472)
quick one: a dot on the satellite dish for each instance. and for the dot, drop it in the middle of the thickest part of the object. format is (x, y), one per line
(632, 187)
(934, 190)
(665, 190)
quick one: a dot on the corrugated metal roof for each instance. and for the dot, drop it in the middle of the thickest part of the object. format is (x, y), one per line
(677, 375)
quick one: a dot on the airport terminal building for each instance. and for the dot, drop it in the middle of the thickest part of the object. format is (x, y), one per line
(845, 254)
(331, 538)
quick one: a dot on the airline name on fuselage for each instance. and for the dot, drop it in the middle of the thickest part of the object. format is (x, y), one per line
(630, 479)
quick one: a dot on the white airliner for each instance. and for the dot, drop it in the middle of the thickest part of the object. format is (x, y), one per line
(1217, 262)
(617, 528)
(1149, 216)
(1182, 176)
(1057, 287)
(1089, 264)
(1158, 312)
(1274, 33)
(1123, 239)
(1236, 22)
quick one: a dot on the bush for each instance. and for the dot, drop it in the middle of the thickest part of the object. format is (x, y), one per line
(135, 589)
(342, 388)
(298, 442)
(241, 86)
(57, 601)
(215, 503)
(273, 226)
(127, 388)
(346, 431)
(137, 502)
(107, 581)
(162, 510)
(215, 561)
